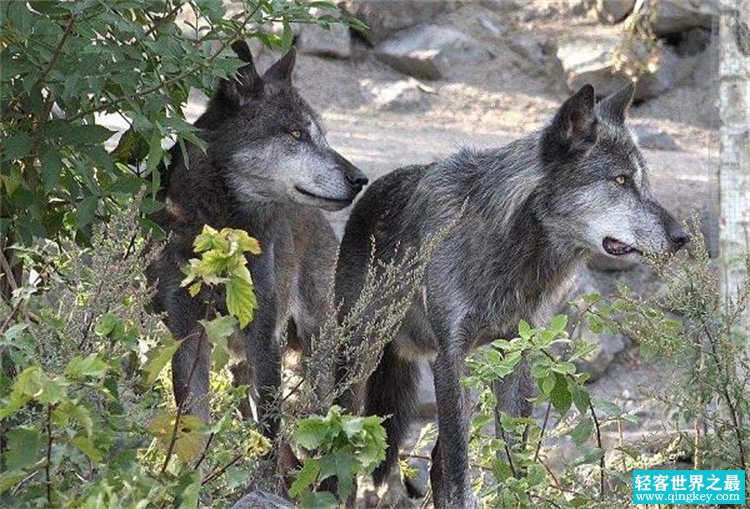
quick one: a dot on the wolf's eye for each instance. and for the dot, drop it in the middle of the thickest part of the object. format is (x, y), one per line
(296, 134)
(620, 180)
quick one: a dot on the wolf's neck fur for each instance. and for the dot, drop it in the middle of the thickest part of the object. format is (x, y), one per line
(519, 265)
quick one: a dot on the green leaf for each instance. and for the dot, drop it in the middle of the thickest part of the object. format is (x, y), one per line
(154, 150)
(590, 457)
(524, 329)
(23, 447)
(87, 447)
(582, 431)
(158, 358)
(608, 407)
(218, 331)
(560, 396)
(17, 146)
(580, 398)
(188, 439)
(109, 323)
(51, 166)
(305, 477)
(91, 366)
(559, 323)
(341, 465)
(65, 132)
(188, 490)
(310, 432)
(85, 211)
(565, 368)
(241, 301)
(11, 479)
(218, 328)
(318, 500)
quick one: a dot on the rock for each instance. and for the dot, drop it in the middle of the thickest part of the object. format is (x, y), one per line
(693, 41)
(608, 345)
(394, 95)
(654, 139)
(528, 48)
(417, 486)
(427, 51)
(613, 11)
(384, 17)
(426, 401)
(491, 28)
(577, 7)
(583, 61)
(672, 16)
(316, 40)
(500, 5)
(262, 500)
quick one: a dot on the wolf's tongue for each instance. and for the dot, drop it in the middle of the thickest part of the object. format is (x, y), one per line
(615, 247)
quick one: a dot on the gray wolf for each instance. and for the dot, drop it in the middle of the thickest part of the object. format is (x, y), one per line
(268, 169)
(525, 216)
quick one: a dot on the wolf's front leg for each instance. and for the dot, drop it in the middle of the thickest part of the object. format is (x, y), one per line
(190, 364)
(449, 473)
(262, 346)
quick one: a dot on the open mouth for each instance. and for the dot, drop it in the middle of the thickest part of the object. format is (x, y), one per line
(324, 198)
(616, 248)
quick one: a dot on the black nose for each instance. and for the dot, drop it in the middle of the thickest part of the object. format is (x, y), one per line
(678, 235)
(357, 180)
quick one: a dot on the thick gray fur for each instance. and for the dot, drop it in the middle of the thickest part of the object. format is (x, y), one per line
(267, 170)
(523, 217)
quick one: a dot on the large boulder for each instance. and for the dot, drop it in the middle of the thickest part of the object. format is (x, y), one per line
(672, 16)
(613, 11)
(384, 17)
(316, 40)
(427, 51)
(583, 61)
(394, 95)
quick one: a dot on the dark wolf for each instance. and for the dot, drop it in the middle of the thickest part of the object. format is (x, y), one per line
(519, 219)
(268, 169)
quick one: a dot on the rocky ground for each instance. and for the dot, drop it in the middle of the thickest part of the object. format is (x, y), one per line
(432, 76)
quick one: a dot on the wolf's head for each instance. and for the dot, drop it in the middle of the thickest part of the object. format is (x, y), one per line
(270, 144)
(596, 190)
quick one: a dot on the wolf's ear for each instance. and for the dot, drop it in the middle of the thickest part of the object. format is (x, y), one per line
(573, 128)
(247, 83)
(616, 105)
(281, 71)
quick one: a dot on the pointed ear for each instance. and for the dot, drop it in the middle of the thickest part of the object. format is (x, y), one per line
(281, 71)
(573, 128)
(246, 84)
(616, 105)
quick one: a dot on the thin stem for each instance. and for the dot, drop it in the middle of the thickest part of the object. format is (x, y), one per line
(49, 455)
(544, 428)
(181, 406)
(57, 53)
(602, 463)
(205, 450)
(217, 473)
(161, 21)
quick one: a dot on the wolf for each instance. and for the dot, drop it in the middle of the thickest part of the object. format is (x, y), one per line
(525, 216)
(269, 170)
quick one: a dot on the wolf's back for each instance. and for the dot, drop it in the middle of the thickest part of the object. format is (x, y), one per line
(377, 215)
